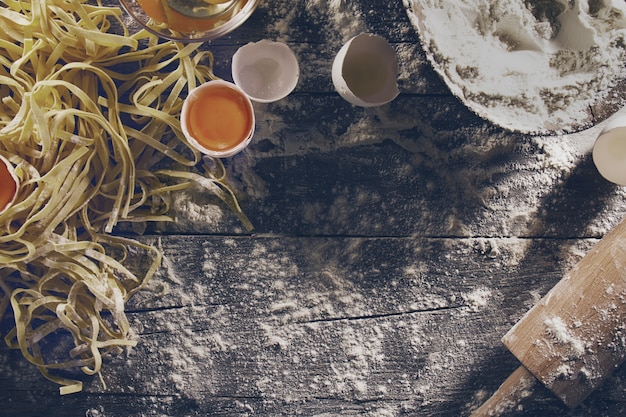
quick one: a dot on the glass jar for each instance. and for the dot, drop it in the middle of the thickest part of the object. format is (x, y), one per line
(190, 20)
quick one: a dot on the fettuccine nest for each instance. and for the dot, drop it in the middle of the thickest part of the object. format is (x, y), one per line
(86, 112)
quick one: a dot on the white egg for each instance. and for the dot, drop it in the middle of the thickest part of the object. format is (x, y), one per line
(365, 71)
(266, 71)
(609, 151)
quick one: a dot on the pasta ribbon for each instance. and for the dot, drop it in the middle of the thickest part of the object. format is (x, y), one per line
(87, 110)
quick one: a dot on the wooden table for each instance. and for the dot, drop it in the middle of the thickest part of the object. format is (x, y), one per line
(393, 248)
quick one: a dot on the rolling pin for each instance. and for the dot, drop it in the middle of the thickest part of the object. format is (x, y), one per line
(575, 336)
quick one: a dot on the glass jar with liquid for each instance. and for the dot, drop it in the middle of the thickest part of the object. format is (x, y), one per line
(190, 20)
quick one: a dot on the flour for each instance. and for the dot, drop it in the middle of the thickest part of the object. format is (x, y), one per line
(343, 17)
(529, 66)
(557, 328)
(288, 332)
(343, 14)
(478, 298)
(294, 315)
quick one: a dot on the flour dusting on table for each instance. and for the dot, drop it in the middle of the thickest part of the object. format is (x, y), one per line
(530, 66)
(342, 18)
(302, 322)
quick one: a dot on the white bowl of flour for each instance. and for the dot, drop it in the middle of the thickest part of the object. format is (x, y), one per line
(533, 67)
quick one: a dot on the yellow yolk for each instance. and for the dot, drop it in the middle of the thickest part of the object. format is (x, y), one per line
(8, 188)
(220, 120)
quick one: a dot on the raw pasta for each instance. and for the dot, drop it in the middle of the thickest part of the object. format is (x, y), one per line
(86, 112)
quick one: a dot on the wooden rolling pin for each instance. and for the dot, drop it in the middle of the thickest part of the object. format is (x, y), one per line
(575, 336)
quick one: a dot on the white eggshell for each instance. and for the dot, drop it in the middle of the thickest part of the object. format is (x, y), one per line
(266, 71)
(609, 151)
(365, 71)
(11, 170)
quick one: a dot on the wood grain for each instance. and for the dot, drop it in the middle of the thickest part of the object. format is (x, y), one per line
(573, 339)
(314, 325)
(393, 248)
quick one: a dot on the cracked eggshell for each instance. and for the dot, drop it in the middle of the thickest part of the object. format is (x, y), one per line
(266, 70)
(609, 151)
(9, 190)
(222, 132)
(365, 71)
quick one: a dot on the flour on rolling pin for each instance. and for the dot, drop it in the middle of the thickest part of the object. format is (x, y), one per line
(576, 335)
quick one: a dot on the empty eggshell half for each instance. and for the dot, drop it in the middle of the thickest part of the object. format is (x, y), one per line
(10, 184)
(609, 151)
(365, 71)
(266, 71)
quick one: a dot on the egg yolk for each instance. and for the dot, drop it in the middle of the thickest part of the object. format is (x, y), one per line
(220, 119)
(8, 188)
(160, 12)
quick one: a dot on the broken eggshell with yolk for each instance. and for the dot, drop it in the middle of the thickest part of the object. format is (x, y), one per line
(217, 118)
(9, 184)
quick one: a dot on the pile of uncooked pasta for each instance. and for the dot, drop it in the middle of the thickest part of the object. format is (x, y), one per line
(87, 112)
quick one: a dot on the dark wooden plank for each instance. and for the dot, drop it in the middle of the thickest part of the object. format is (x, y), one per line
(322, 21)
(319, 326)
(393, 248)
(421, 166)
(415, 76)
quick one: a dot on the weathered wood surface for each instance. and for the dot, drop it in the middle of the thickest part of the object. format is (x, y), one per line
(393, 248)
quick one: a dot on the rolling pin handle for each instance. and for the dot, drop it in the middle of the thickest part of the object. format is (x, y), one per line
(517, 387)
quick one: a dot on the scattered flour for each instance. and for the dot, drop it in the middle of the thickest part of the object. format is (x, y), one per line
(315, 321)
(95, 412)
(297, 318)
(478, 298)
(555, 155)
(296, 321)
(343, 14)
(341, 19)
